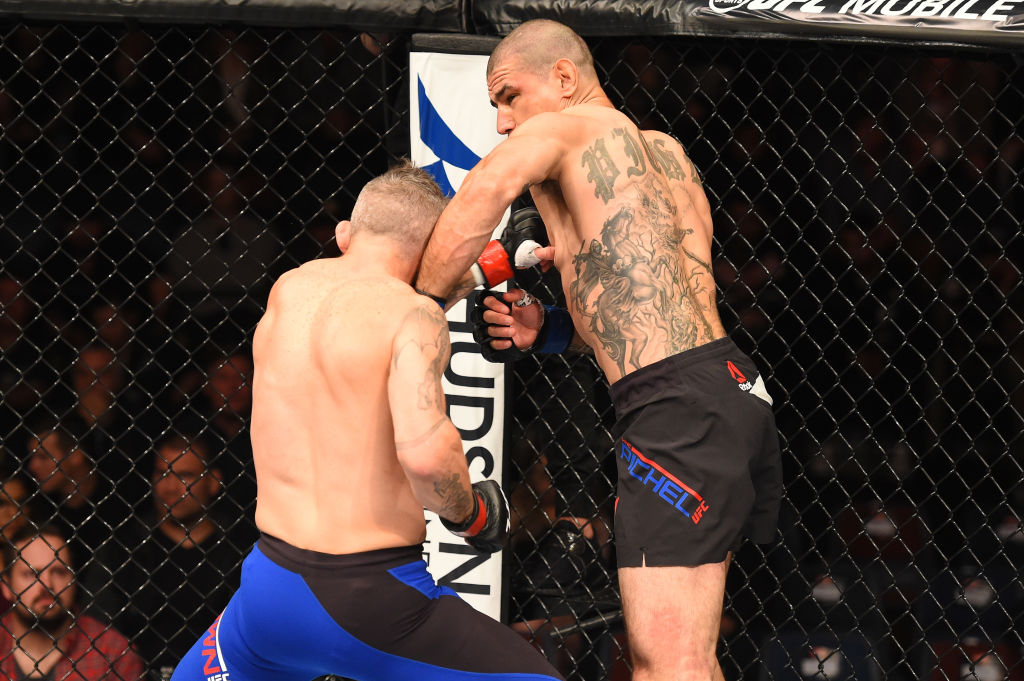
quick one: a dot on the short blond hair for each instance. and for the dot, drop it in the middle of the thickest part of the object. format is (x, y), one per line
(402, 204)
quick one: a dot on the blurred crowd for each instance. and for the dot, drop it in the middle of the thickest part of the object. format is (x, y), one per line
(155, 185)
(867, 211)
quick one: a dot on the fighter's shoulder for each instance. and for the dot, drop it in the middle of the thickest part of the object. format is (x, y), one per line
(406, 305)
(286, 284)
(555, 126)
(669, 152)
(666, 139)
(419, 319)
(417, 309)
(297, 276)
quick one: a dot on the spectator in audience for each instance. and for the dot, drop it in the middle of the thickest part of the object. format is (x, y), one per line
(74, 494)
(24, 337)
(15, 509)
(102, 393)
(569, 560)
(168, 573)
(220, 410)
(111, 410)
(15, 513)
(221, 266)
(113, 323)
(43, 635)
(168, 347)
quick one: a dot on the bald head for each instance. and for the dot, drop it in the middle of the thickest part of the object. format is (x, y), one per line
(536, 45)
(402, 205)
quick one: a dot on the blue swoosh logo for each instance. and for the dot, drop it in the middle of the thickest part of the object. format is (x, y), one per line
(440, 139)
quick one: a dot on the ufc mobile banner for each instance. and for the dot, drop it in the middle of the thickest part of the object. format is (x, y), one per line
(979, 20)
(452, 127)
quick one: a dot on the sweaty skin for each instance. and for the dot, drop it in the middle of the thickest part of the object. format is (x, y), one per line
(626, 215)
(339, 350)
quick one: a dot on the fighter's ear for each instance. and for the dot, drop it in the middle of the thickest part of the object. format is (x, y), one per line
(343, 235)
(568, 75)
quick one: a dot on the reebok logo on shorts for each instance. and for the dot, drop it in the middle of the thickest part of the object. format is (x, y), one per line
(756, 388)
(660, 482)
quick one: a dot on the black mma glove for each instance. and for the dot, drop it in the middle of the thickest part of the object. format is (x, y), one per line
(487, 527)
(524, 232)
(483, 337)
(554, 336)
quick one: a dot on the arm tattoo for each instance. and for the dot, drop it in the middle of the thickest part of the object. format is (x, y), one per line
(429, 339)
(431, 392)
(456, 504)
(463, 287)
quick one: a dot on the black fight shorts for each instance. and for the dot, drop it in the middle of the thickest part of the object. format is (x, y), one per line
(698, 458)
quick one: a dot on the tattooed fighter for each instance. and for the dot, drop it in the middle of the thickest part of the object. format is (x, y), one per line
(351, 441)
(630, 233)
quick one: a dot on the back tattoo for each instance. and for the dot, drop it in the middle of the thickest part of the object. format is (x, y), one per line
(634, 286)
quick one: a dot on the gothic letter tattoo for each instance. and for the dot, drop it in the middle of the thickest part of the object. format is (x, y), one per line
(602, 170)
(668, 161)
(633, 150)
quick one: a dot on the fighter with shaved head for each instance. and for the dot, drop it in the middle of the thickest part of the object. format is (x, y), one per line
(630, 233)
(351, 441)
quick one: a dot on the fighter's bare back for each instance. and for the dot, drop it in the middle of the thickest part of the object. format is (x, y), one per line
(322, 434)
(631, 227)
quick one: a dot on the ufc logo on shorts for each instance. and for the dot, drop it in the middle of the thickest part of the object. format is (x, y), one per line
(699, 512)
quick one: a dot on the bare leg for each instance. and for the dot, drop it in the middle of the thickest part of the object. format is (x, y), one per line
(672, 617)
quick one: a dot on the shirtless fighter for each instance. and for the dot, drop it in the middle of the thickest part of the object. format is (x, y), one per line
(350, 442)
(630, 234)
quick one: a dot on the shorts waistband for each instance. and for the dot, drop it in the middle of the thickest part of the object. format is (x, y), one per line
(303, 560)
(636, 386)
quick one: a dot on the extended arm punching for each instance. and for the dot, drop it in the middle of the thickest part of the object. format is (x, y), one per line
(520, 245)
(529, 156)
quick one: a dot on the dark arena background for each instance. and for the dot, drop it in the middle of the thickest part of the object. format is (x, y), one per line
(163, 162)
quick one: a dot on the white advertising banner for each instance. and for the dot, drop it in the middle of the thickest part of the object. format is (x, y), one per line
(452, 128)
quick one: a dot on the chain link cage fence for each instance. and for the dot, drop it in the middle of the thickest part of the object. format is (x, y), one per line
(867, 202)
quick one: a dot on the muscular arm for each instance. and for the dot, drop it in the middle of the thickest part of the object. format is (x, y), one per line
(529, 156)
(428, 444)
